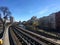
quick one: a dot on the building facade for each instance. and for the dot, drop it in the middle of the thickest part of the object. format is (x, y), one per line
(57, 17)
(52, 21)
(11, 19)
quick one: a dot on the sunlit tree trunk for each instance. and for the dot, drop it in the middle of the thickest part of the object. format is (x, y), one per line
(5, 12)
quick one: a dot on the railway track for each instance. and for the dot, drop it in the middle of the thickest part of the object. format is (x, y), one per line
(12, 38)
(45, 34)
(37, 37)
(28, 38)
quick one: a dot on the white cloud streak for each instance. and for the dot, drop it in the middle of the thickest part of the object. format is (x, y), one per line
(45, 10)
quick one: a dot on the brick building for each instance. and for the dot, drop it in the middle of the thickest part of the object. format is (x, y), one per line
(57, 17)
(52, 21)
(11, 19)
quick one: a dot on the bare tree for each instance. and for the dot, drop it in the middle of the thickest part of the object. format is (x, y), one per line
(5, 13)
(4, 10)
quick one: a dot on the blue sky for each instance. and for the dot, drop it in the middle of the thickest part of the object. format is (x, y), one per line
(25, 9)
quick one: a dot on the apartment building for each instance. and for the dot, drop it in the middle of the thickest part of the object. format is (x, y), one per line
(52, 21)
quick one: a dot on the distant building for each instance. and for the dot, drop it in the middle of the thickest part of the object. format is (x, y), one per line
(52, 21)
(11, 19)
(16, 23)
(44, 22)
(57, 18)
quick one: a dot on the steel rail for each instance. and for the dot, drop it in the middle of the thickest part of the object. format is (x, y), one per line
(37, 35)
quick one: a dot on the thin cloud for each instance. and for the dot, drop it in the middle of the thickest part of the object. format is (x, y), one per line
(31, 11)
(43, 11)
(47, 9)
